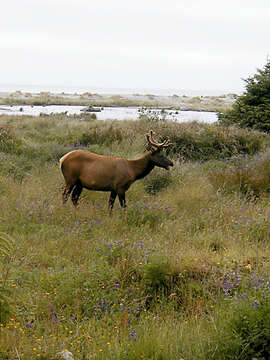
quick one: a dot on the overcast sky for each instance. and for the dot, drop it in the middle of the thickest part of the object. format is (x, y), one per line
(203, 45)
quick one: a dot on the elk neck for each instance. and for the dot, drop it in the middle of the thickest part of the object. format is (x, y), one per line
(142, 166)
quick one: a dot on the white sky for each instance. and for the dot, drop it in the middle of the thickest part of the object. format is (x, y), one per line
(203, 45)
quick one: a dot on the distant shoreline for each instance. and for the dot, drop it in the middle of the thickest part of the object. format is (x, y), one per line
(177, 102)
(59, 89)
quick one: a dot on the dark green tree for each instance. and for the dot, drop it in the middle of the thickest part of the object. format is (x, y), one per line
(252, 109)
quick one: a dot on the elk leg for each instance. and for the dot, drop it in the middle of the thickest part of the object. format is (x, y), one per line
(76, 193)
(122, 199)
(112, 199)
(66, 193)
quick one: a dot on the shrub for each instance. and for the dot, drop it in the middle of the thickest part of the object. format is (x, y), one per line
(252, 109)
(213, 142)
(247, 175)
(152, 116)
(157, 181)
(157, 276)
(8, 142)
(103, 136)
(247, 333)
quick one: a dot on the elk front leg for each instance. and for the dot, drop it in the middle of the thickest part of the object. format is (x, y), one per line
(122, 200)
(112, 199)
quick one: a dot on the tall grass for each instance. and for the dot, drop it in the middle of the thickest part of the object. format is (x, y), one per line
(172, 276)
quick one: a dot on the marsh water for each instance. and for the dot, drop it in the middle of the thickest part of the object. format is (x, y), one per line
(118, 113)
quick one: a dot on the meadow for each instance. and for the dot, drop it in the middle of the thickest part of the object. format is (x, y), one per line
(182, 273)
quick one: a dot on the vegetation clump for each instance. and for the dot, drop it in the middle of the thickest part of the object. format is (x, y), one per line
(248, 175)
(8, 142)
(203, 142)
(252, 109)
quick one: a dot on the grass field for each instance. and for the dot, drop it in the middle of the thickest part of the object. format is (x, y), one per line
(183, 272)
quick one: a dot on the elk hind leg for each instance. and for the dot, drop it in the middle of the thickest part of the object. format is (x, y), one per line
(76, 193)
(67, 191)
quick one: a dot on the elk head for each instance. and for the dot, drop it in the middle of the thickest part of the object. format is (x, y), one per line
(157, 158)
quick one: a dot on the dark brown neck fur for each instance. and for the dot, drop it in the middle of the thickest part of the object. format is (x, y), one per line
(142, 166)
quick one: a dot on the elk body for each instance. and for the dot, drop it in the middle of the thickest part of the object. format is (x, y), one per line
(83, 169)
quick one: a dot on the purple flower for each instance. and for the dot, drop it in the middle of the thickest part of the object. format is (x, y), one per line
(133, 336)
(54, 317)
(92, 223)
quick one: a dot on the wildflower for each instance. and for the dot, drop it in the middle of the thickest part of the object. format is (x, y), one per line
(92, 223)
(255, 304)
(54, 316)
(133, 336)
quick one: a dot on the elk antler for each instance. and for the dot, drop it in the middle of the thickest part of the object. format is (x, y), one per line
(155, 144)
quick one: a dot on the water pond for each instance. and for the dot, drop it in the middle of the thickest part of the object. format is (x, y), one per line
(118, 113)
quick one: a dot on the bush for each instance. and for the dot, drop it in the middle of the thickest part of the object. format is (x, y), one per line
(247, 175)
(149, 115)
(104, 136)
(157, 181)
(252, 109)
(213, 142)
(247, 334)
(8, 142)
(157, 276)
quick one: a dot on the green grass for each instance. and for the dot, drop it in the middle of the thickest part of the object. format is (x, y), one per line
(172, 276)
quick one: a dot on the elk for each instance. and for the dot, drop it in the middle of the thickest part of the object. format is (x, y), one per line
(84, 169)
